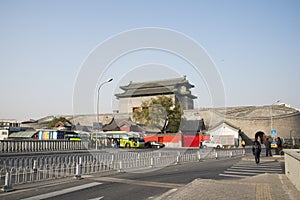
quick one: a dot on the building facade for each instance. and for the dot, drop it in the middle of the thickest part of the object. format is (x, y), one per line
(10, 125)
(136, 93)
(253, 121)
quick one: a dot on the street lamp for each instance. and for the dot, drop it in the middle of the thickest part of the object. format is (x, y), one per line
(272, 114)
(109, 80)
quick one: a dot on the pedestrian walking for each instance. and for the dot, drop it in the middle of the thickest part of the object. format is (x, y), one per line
(279, 146)
(268, 148)
(256, 149)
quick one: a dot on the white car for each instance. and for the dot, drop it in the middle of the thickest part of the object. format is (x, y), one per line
(212, 144)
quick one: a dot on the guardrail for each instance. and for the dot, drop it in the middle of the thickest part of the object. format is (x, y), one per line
(15, 146)
(292, 166)
(14, 171)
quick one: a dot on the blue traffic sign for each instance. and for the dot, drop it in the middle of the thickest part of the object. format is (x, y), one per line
(273, 133)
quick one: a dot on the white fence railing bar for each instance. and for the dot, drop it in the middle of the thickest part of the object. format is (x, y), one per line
(33, 169)
(17, 146)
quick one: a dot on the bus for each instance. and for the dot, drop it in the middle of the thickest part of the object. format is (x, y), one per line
(52, 134)
(118, 139)
(72, 136)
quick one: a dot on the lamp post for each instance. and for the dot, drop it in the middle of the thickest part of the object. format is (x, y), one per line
(109, 80)
(272, 114)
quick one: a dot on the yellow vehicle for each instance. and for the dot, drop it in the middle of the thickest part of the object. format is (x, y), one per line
(107, 135)
(119, 139)
(274, 145)
(72, 136)
(132, 142)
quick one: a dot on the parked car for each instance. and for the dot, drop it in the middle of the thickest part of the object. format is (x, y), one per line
(211, 144)
(154, 144)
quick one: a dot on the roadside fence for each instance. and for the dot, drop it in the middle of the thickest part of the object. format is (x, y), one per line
(17, 146)
(21, 170)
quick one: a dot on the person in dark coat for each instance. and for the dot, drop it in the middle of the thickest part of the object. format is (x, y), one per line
(256, 149)
(268, 148)
(279, 146)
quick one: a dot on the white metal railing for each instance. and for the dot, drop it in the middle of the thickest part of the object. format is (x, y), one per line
(17, 146)
(32, 169)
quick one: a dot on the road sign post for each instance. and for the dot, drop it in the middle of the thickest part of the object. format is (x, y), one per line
(274, 133)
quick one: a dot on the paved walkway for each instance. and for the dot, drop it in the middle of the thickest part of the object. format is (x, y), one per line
(260, 187)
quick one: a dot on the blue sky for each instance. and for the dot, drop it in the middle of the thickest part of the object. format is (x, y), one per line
(254, 44)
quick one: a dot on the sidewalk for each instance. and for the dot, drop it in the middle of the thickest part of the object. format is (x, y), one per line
(260, 187)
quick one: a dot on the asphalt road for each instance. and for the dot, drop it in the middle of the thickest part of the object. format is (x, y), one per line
(141, 185)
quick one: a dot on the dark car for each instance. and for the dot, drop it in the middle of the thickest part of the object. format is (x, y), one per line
(154, 144)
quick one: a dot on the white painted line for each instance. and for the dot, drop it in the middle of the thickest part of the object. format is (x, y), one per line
(97, 198)
(239, 168)
(249, 173)
(260, 164)
(87, 176)
(256, 168)
(254, 164)
(252, 170)
(64, 191)
(166, 195)
(233, 175)
(263, 163)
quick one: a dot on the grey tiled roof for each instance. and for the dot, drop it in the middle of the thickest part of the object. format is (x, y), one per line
(160, 87)
(164, 82)
(23, 134)
(145, 92)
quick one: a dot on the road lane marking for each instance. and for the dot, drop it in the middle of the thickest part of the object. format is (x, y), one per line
(233, 175)
(64, 191)
(138, 182)
(244, 169)
(97, 198)
(256, 168)
(29, 188)
(259, 166)
(248, 173)
(252, 170)
(165, 195)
